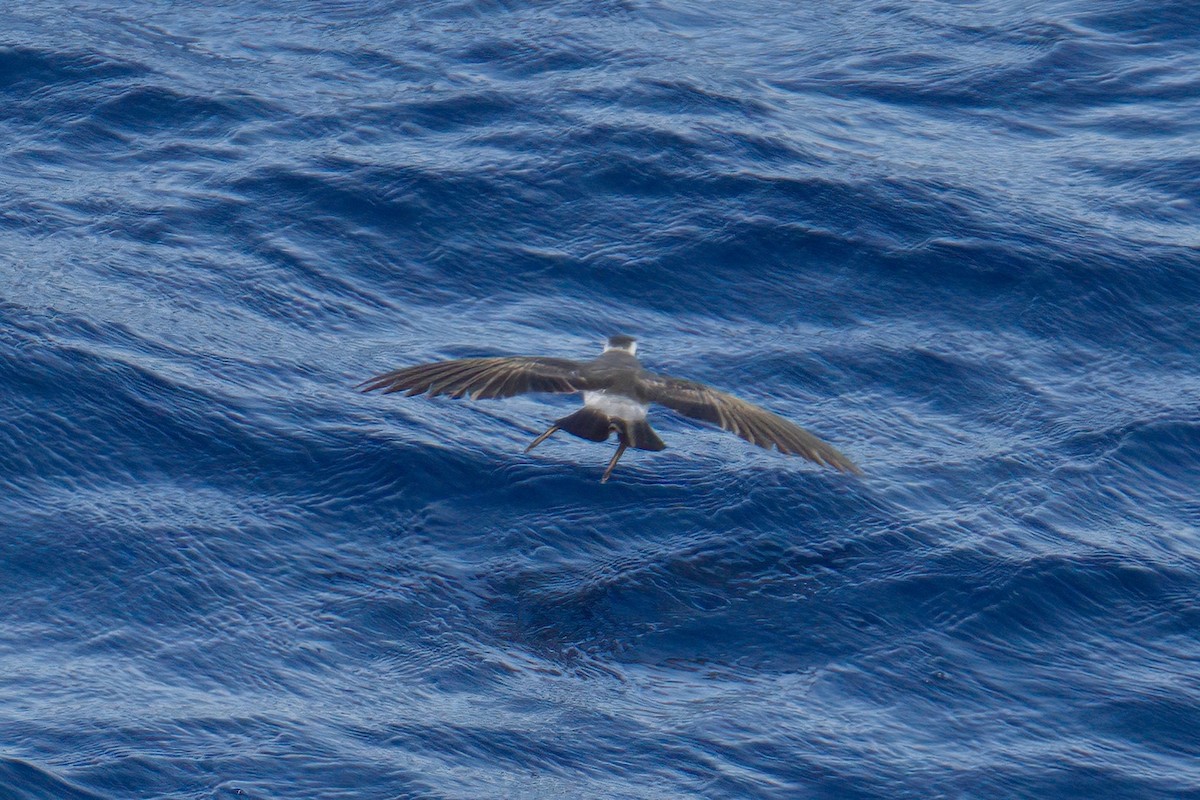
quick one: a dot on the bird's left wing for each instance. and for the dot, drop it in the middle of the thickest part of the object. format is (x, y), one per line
(482, 377)
(753, 423)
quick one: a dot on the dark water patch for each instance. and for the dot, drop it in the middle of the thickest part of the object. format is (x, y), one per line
(502, 10)
(157, 110)
(107, 407)
(25, 781)
(1034, 65)
(527, 57)
(27, 70)
(676, 97)
(1175, 177)
(1141, 22)
(465, 110)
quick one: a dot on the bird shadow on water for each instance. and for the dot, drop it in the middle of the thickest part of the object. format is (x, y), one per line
(579, 575)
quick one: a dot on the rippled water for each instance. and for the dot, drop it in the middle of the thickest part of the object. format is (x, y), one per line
(960, 241)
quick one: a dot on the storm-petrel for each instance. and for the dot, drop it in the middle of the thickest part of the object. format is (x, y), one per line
(617, 393)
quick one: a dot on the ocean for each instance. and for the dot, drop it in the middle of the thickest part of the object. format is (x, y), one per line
(960, 241)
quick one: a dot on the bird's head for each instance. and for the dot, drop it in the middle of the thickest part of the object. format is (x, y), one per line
(626, 344)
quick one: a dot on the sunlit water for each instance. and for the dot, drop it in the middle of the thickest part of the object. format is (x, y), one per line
(957, 240)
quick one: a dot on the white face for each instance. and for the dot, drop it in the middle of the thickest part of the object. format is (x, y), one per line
(630, 348)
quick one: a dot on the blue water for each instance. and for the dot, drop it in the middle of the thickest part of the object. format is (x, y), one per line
(958, 240)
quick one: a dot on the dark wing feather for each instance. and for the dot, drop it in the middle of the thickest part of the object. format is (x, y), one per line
(481, 377)
(753, 423)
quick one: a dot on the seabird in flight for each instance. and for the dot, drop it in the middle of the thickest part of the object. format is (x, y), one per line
(617, 392)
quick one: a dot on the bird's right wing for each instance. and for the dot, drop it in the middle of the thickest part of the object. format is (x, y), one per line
(482, 377)
(753, 423)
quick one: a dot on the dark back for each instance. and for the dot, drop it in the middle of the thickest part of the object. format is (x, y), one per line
(615, 371)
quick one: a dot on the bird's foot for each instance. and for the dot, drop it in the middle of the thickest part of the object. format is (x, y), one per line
(542, 438)
(616, 457)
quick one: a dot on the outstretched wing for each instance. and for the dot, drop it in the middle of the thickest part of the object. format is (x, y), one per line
(481, 377)
(753, 423)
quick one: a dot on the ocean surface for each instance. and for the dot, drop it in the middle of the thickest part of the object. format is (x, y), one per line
(958, 240)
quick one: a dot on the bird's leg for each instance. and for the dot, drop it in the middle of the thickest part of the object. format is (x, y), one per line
(549, 432)
(616, 456)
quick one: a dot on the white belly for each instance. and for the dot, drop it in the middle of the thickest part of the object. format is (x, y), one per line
(615, 405)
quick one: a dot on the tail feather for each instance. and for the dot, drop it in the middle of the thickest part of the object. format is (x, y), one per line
(587, 423)
(638, 433)
(593, 424)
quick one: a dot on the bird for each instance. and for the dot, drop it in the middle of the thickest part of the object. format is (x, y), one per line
(617, 393)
